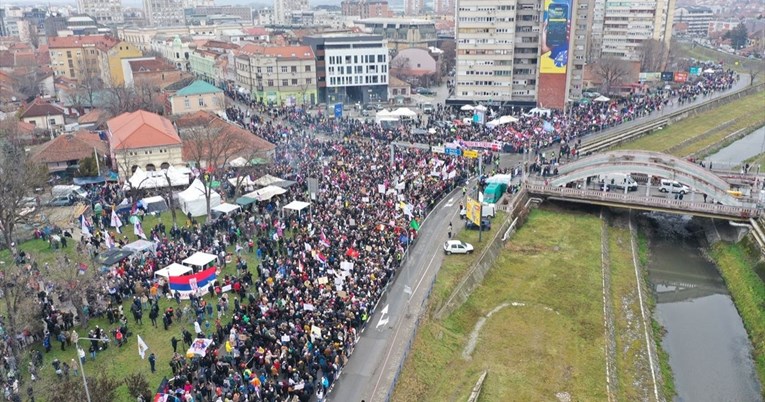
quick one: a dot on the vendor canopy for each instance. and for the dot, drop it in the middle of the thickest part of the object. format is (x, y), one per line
(267, 180)
(226, 208)
(297, 205)
(265, 193)
(139, 246)
(173, 269)
(193, 201)
(145, 180)
(199, 259)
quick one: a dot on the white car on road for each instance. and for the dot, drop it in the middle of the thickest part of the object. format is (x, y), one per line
(457, 247)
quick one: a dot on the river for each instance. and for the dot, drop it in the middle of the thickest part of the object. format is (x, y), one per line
(739, 151)
(709, 350)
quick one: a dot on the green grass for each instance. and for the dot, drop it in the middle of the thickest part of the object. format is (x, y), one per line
(632, 368)
(746, 111)
(757, 160)
(748, 292)
(705, 54)
(531, 353)
(119, 362)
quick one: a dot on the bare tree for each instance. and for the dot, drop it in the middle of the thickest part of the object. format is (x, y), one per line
(123, 99)
(612, 71)
(28, 85)
(211, 144)
(401, 68)
(653, 55)
(88, 84)
(18, 176)
(754, 69)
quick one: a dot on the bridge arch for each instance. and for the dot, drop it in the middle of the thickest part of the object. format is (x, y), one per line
(654, 164)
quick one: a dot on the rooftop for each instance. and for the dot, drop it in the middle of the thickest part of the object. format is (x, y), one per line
(69, 147)
(39, 108)
(295, 52)
(248, 142)
(66, 42)
(198, 87)
(150, 65)
(141, 129)
(397, 21)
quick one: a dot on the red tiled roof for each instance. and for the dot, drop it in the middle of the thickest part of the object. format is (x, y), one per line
(69, 147)
(293, 52)
(141, 129)
(39, 107)
(151, 65)
(219, 45)
(256, 31)
(92, 117)
(102, 42)
(247, 141)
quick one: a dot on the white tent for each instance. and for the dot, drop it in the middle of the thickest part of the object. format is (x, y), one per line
(493, 123)
(297, 205)
(226, 208)
(266, 180)
(173, 269)
(200, 260)
(139, 246)
(466, 108)
(383, 113)
(602, 98)
(145, 180)
(192, 199)
(244, 181)
(480, 108)
(709, 71)
(507, 119)
(265, 193)
(404, 112)
(154, 204)
(540, 111)
(238, 162)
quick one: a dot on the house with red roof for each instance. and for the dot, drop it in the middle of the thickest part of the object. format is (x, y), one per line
(142, 139)
(66, 151)
(43, 114)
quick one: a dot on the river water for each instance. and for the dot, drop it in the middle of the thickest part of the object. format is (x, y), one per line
(709, 351)
(741, 150)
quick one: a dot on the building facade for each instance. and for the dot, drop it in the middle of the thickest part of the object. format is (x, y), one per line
(284, 8)
(402, 33)
(443, 7)
(164, 12)
(366, 8)
(107, 12)
(351, 68)
(143, 139)
(278, 75)
(197, 14)
(697, 18)
(197, 96)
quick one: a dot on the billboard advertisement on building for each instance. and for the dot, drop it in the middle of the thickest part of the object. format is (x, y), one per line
(553, 63)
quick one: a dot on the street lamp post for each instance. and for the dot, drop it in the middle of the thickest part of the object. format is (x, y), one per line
(79, 361)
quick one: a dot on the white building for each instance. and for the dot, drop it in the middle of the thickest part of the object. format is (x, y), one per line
(697, 18)
(284, 8)
(164, 12)
(618, 29)
(174, 49)
(355, 67)
(105, 12)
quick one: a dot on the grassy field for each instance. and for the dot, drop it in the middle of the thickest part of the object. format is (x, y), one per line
(746, 112)
(119, 362)
(757, 160)
(748, 292)
(552, 342)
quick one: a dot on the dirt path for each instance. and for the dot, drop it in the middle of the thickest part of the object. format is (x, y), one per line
(608, 309)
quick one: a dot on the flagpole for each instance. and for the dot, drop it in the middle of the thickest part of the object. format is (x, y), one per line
(79, 360)
(98, 165)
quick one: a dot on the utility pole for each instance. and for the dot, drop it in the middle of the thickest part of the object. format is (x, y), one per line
(79, 361)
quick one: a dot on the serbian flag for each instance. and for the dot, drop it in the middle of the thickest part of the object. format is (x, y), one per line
(82, 268)
(324, 241)
(85, 226)
(116, 221)
(188, 283)
(320, 257)
(109, 241)
(138, 229)
(353, 253)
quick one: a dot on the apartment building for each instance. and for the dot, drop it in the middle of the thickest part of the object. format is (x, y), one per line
(366, 8)
(214, 62)
(697, 18)
(278, 74)
(351, 67)
(443, 7)
(284, 8)
(402, 33)
(105, 12)
(414, 7)
(619, 29)
(90, 57)
(164, 12)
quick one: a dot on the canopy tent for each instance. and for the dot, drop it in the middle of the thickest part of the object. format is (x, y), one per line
(540, 111)
(283, 183)
(266, 180)
(507, 119)
(493, 123)
(238, 162)
(245, 181)
(112, 256)
(153, 204)
(466, 108)
(226, 208)
(383, 113)
(139, 246)
(297, 205)
(158, 179)
(480, 108)
(200, 260)
(173, 269)
(709, 71)
(244, 201)
(265, 193)
(192, 199)
(602, 98)
(404, 112)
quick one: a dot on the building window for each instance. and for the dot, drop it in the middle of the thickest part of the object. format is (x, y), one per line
(259, 70)
(293, 69)
(270, 83)
(285, 83)
(270, 69)
(284, 69)
(201, 102)
(308, 69)
(294, 81)
(308, 81)
(187, 103)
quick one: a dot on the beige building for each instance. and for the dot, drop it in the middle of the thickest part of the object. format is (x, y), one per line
(90, 57)
(197, 96)
(278, 74)
(145, 140)
(402, 33)
(43, 115)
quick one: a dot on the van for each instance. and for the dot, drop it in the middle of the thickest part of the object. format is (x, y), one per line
(427, 108)
(487, 211)
(617, 181)
(671, 186)
(65, 191)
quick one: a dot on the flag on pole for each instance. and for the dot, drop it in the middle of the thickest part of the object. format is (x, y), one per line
(324, 240)
(85, 226)
(116, 222)
(138, 229)
(414, 225)
(142, 347)
(82, 267)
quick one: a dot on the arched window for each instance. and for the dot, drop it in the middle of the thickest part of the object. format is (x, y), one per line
(150, 167)
(133, 169)
(164, 166)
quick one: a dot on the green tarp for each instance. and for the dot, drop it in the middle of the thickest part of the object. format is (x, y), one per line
(243, 201)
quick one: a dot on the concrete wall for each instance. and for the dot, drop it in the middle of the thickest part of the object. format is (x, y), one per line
(517, 211)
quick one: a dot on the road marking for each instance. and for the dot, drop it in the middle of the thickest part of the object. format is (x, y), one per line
(449, 203)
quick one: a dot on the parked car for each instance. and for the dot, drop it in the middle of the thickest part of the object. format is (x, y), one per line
(427, 108)
(457, 247)
(424, 91)
(485, 224)
(64, 201)
(669, 186)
